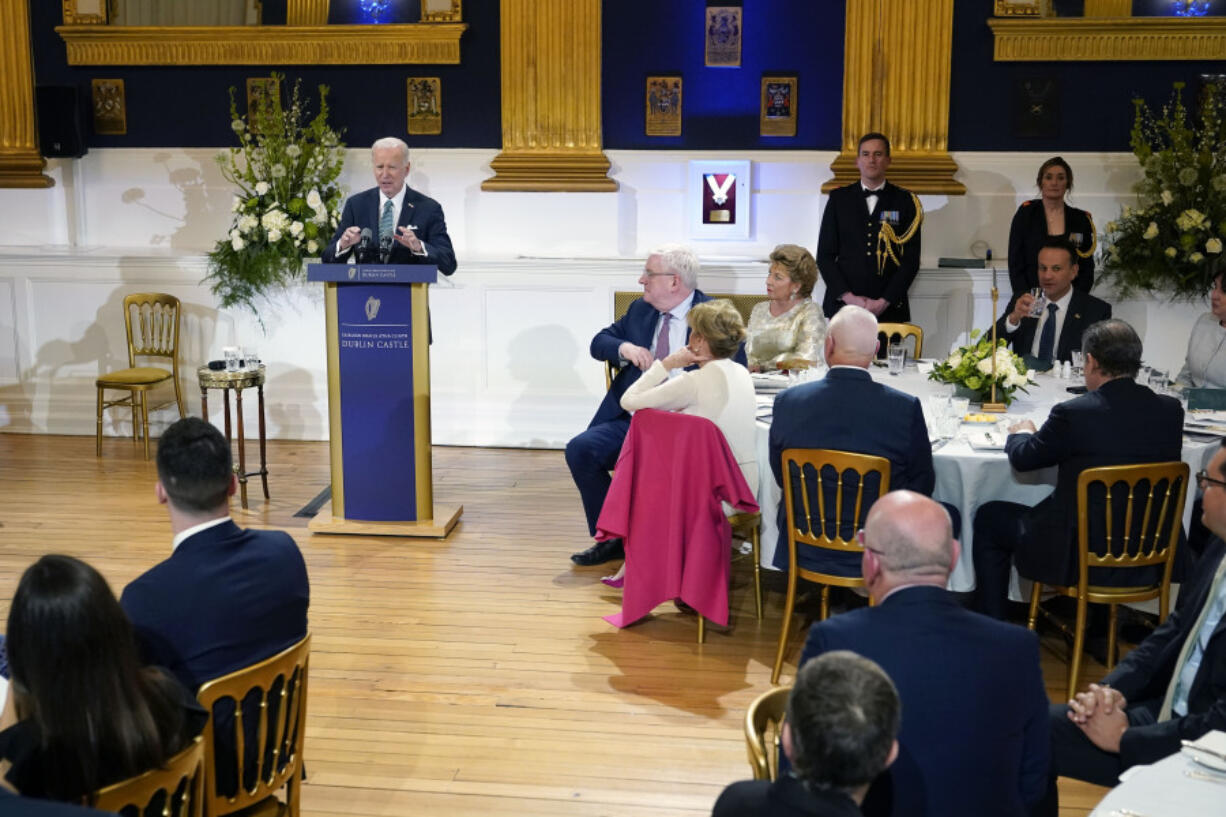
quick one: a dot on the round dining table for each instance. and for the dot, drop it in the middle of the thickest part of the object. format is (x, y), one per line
(966, 476)
(1175, 785)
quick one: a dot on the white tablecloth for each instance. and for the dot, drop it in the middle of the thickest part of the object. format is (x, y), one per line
(966, 478)
(1163, 789)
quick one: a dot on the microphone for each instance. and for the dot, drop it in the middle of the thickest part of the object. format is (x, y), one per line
(385, 249)
(363, 249)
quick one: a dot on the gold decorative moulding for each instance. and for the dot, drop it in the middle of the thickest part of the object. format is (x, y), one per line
(85, 12)
(1023, 8)
(441, 11)
(409, 43)
(1093, 39)
(425, 105)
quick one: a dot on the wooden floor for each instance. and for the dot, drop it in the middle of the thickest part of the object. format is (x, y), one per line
(472, 676)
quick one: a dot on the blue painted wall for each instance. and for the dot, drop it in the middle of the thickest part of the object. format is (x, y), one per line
(720, 105)
(189, 106)
(1095, 98)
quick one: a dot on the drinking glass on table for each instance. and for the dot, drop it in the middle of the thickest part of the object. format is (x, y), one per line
(897, 357)
(1158, 381)
(1040, 302)
(1078, 359)
(231, 355)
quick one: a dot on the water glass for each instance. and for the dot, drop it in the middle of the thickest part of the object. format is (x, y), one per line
(1158, 381)
(959, 406)
(230, 353)
(897, 357)
(1040, 302)
(1078, 361)
(251, 359)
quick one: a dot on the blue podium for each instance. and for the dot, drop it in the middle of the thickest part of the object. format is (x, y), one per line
(378, 341)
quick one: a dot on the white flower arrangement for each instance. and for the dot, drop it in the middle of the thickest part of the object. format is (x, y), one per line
(971, 367)
(288, 200)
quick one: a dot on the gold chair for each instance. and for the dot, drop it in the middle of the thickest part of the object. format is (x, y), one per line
(763, 730)
(814, 536)
(181, 782)
(1154, 490)
(155, 334)
(278, 748)
(903, 331)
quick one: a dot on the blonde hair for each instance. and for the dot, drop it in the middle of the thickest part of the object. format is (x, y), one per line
(799, 265)
(720, 325)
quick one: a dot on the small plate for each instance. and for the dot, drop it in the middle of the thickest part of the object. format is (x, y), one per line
(981, 419)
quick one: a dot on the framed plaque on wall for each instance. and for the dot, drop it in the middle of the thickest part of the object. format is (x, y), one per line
(717, 199)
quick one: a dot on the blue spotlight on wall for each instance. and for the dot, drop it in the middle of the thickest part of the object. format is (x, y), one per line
(373, 10)
(1190, 8)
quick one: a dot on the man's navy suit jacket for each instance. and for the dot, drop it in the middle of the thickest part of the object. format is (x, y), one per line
(225, 599)
(636, 326)
(848, 411)
(975, 735)
(1143, 675)
(422, 213)
(1084, 309)
(1120, 422)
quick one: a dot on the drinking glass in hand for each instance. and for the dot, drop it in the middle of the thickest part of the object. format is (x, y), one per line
(897, 357)
(1040, 302)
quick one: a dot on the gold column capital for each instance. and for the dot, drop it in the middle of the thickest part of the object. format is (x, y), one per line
(551, 136)
(21, 164)
(896, 71)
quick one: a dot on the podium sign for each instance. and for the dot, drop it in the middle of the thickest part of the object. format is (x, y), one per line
(379, 400)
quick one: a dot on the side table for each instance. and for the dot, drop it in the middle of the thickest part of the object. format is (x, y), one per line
(244, 379)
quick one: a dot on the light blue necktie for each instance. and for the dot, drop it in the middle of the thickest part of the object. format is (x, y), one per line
(1047, 338)
(385, 221)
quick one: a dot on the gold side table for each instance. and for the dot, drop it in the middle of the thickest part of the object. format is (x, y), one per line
(221, 379)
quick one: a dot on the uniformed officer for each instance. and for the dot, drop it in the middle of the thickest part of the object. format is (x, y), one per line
(869, 246)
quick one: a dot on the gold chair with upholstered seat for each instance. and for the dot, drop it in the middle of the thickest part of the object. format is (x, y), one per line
(152, 323)
(824, 470)
(1152, 520)
(180, 784)
(280, 685)
(763, 728)
(903, 331)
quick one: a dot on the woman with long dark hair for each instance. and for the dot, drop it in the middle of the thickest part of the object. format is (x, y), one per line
(82, 712)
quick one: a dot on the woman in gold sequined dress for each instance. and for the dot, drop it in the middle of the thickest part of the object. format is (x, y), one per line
(789, 326)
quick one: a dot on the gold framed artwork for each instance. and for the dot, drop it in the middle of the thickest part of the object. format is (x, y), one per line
(1023, 8)
(778, 106)
(663, 106)
(425, 105)
(85, 12)
(261, 95)
(110, 107)
(722, 32)
(441, 11)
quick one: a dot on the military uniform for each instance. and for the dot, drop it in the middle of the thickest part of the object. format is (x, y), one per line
(870, 254)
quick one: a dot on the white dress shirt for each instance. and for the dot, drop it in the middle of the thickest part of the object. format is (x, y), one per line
(183, 535)
(871, 200)
(1063, 303)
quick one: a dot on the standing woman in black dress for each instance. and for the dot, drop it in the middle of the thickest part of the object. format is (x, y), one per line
(1048, 215)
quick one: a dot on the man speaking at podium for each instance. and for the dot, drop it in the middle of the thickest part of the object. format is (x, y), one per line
(392, 223)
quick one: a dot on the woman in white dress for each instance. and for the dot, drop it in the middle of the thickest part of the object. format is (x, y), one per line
(1205, 364)
(720, 389)
(789, 326)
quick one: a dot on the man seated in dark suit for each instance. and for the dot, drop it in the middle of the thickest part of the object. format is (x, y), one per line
(405, 225)
(653, 326)
(842, 719)
(227, 597)
(848, 411)
(1058, 330)
(974, 737)
(1172, 687)
(1119, 421)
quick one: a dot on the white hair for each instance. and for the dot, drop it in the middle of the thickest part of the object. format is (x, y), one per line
(392, 142)
(681, 261)
(854, 329)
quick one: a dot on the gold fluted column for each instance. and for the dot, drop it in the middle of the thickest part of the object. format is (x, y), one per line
(550, 98)
(306, 12)
(896, 69)
(21, 165)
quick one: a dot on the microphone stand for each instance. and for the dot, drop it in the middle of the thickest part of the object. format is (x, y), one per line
(994, 406)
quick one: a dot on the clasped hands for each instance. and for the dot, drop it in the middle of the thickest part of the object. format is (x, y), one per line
(874, 305)
(1099, 713)
(403, 235)
(642, 357)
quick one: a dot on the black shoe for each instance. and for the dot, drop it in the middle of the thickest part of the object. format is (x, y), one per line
(599, 553)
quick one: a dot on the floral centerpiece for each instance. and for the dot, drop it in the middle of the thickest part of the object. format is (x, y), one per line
(288, 200)
(1171, 242)
(970, 367)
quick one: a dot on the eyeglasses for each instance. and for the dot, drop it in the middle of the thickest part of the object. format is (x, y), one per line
(647, 274)
(1203, 479)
